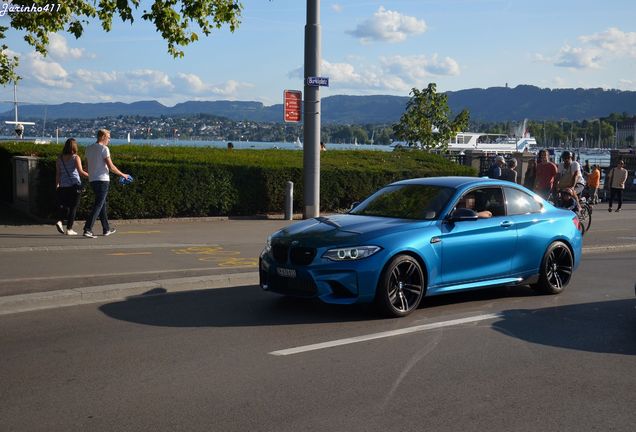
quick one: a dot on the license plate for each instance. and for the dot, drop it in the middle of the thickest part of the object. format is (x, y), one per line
(285, 272)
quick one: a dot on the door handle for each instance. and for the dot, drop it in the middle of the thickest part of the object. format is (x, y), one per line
(506, 224)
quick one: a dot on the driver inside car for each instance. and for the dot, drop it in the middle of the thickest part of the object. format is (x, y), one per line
(468, 201)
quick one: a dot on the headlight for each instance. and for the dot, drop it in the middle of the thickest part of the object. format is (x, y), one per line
(268, 245)
(351, 253)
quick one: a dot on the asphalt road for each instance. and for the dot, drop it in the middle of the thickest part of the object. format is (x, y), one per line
(35, 258)
(213, 361)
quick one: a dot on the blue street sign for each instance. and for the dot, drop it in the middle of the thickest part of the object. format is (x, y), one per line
(318, 81)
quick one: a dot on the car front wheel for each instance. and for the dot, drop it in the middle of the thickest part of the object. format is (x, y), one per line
(556, 269)
(401, 286)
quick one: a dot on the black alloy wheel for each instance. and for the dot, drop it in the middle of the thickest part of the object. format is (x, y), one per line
(556, 270)
(401, 286)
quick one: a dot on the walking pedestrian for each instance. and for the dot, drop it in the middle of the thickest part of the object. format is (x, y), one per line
(617, 178)
(531, 174)
(99, 166)
(68, 169)
(546, 173)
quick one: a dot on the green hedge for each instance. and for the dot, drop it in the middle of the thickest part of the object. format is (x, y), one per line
(203, 181)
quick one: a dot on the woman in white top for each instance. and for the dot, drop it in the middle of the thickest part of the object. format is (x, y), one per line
(68, 169)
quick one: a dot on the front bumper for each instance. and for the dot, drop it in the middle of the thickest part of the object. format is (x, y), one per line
(331, 282)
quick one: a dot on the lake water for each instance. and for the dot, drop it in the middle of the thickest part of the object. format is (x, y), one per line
(603, 159)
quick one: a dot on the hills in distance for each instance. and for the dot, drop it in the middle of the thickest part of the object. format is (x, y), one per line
(494, 104)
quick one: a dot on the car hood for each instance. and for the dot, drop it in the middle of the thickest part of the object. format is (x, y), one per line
(343, 229)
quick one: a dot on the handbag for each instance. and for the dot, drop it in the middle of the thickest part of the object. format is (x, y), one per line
(79, 188)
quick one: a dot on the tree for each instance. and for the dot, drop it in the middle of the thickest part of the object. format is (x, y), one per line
(427, 120)
(173, 19)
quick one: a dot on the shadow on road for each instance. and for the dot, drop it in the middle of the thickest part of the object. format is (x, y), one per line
(600, 327)
(231, 307)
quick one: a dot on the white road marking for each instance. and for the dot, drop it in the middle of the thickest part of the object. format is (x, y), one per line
(386, 334)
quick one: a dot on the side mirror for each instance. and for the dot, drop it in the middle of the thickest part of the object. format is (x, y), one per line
(354, 205)
(463, 214)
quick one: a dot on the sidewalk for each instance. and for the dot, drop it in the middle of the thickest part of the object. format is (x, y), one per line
(40, 268)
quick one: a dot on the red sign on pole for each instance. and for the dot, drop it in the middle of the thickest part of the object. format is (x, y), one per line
(292, 100)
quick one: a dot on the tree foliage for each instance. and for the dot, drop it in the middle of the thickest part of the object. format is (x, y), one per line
(178, 22)
(426, 121)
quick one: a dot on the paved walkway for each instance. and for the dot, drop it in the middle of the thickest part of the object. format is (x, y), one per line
(39, 268)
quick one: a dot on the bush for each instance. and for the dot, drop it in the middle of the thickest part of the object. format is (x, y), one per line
(202, 181)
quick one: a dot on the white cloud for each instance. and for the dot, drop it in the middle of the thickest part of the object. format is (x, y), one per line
(390, 26)
(613, 40)
(626, 84)
(192, 84)
(610, 44)
(578, 58)
(418, 67)
(58, 48)
(46, 72)
(395, 74)
(143, 83)
(337, 8)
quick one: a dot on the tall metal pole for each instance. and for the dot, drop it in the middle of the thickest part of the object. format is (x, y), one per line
(311, 134)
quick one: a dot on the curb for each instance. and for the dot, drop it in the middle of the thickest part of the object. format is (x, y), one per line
(104, 293)
(608, 248)
(117, 292)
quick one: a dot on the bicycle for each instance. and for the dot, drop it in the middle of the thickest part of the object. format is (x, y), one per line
(584, 214)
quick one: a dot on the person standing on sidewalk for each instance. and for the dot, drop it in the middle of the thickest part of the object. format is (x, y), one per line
(508, 172)
(546, 172)
(617, 179)
(494, 172)
(593, 182)
(99, 166)
(68, 169)
(531, 174)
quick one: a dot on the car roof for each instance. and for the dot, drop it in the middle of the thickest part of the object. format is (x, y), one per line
(454, 182)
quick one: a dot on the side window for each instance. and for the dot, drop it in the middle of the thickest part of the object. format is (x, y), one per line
(519, 202)
(492, 200)
(484, 200)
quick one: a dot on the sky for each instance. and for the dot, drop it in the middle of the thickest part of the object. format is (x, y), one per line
(367, 48)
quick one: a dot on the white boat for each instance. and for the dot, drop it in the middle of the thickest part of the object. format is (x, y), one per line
(491, 143)
(519, 140)
(298, 143)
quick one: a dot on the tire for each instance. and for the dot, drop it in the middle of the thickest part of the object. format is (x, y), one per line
(556, 269)
(586, 210)
(401, 287)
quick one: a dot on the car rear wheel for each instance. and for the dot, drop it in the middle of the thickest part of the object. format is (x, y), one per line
(401, 286)
(556, 269)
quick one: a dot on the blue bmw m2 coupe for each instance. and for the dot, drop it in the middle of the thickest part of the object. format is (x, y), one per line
(425, 236)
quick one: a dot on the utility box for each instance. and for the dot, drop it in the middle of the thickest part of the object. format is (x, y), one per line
(25, 180)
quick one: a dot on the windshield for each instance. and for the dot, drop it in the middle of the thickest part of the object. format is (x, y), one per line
(409, 201)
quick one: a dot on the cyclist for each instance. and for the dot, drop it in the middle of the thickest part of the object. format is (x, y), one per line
(570, 175)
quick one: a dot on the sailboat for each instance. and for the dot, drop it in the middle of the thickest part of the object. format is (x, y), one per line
(42, 140)
(298, 143)
(19, 125)
(128, 138)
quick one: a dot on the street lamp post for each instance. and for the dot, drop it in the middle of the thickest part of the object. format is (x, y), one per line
(311, 133)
